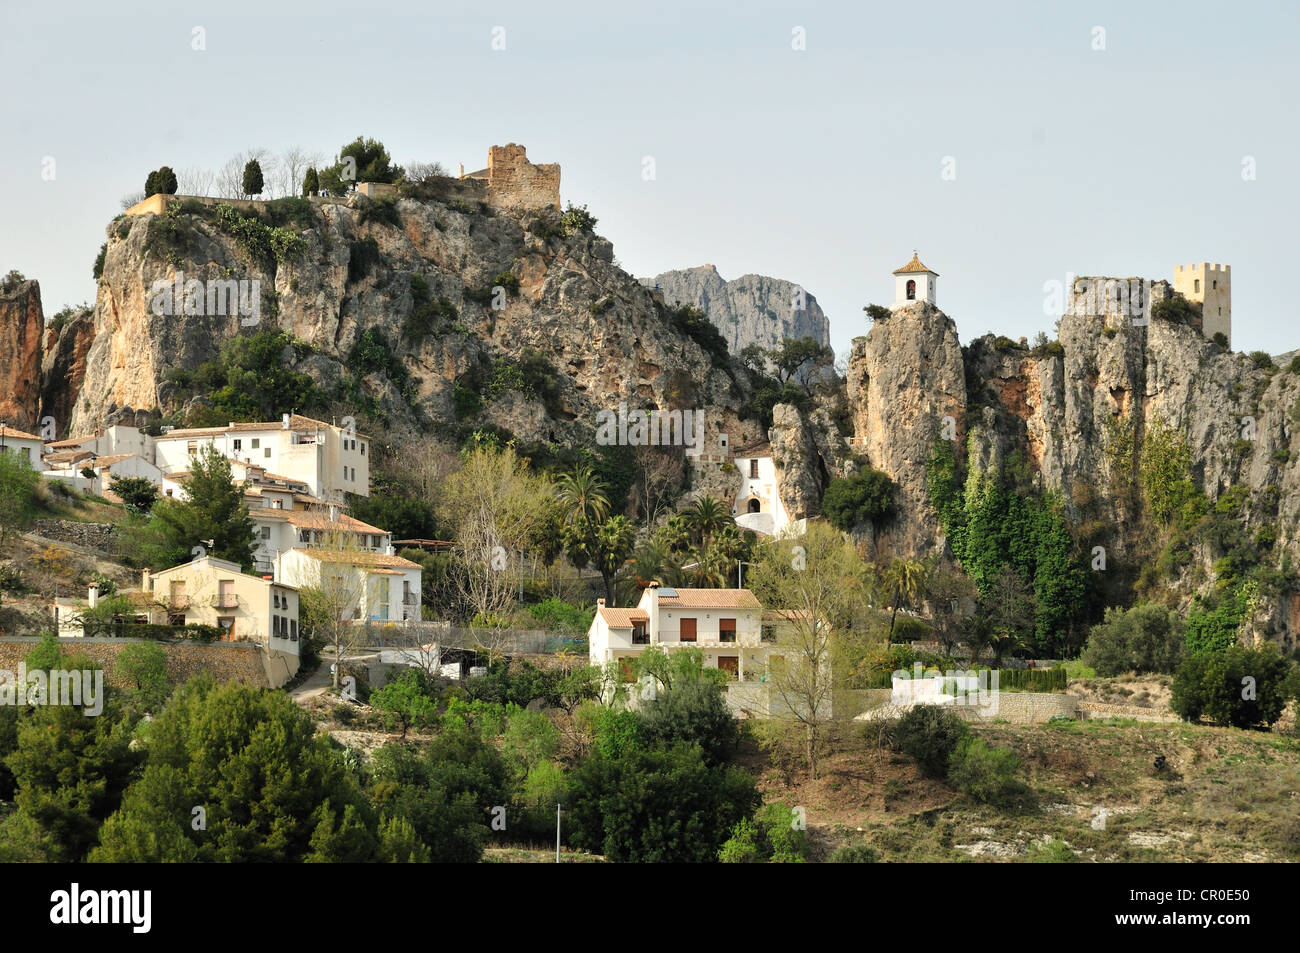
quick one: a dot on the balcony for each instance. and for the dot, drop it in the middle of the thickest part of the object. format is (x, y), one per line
(227, 600)
(179, 602)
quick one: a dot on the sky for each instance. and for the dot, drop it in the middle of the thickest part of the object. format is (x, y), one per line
(816, 142)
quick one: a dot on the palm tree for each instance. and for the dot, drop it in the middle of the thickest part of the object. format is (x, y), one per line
(905, 578)
(705, 517)
(584, 495)
(612, 546)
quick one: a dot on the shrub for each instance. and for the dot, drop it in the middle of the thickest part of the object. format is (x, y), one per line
(1237, 686)
(9, 284)
(854, 854)
(692, 711)
(1146, 638)
(310, 182)
(1178, 310)
(577, 219)
(928, 734)
(1220, 339)
(379, 210)
(98, 270)
(987, 774)
(263, 243)
(1294, 366)
(1054, 851)
(867, 496)
(362, 258)
(1263, 360)
(877, 312)
(506, 280)
(773, 835)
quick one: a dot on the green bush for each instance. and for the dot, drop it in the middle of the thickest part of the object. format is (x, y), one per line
(1054, 851)
(692, 712)
(774, 835)
(576, 218)
(1294, 366)
(1052, 679)
(264, 244)
(928, 734)
(1178, 310)
(506, 280)
(379, 210)
(363, 255)
(854, 854)
(867, 496)
(987, 774)
(1146, 638)
(1262, 360)
(98, 270)
(1237, 686)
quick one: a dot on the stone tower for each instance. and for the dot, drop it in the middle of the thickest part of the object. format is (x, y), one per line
(1211, 285)
(915, 282)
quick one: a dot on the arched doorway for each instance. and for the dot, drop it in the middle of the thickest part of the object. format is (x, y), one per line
(755, 506)
(911, 290)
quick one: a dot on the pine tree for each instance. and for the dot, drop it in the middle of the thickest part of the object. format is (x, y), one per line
(253, 178)
(310, 182)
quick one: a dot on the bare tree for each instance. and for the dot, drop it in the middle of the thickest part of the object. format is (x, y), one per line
(195, 181)
(230, 177)
(131, 198)
(423, 172)
(659, 471)
(290, 169)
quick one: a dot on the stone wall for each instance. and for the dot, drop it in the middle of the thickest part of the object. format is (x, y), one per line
(514, 182)
(1098, 710)
(1018, 708)
(97, 536)
(226, 661)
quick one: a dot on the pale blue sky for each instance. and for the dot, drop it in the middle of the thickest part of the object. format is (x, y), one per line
(820, 166)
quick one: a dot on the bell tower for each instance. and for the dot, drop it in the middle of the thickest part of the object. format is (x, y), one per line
(915, 282)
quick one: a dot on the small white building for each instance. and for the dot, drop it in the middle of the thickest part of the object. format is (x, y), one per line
(108, 442)
(25, 445)
(330, 460)
(758, 501)
(915, 282)
(278, 530)
(376, 587)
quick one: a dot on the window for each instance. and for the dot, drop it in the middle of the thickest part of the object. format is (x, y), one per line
(304, 536)
(1216, 283)
(1196, 284)
(768, 633)
(753, 469)
(639, 634)
(293, 630)
(687, 631)
(266, 530)
(257, 442)
(911, 291)
(363, 449)
(755, 506)
(192, 447)
(726, 630)
(267, 454)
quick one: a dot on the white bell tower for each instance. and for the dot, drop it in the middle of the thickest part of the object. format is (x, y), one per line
(915, 282)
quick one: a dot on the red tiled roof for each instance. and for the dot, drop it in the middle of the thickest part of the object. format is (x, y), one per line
(358, 557)
(297, 424)
(710, 599)
(623, 618)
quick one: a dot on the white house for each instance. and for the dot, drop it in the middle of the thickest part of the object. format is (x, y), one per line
(329, 460)
(278, 530)
(108, 442)
(379, 586)
(26, 445)
(725, 624)
(758, 501)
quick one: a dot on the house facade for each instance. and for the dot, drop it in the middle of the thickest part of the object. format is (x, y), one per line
(278, 530)
(327, 459)
(374, 586)
(726, 625)
(758, 503)
(21, 444)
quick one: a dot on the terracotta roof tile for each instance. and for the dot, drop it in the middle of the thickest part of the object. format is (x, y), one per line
(357, 557)
(915, 267)
(19, 434)
(623, 618)
(711, 599)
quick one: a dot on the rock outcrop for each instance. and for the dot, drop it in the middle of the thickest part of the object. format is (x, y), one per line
(21, 324)
(63, 366)
(751, 309)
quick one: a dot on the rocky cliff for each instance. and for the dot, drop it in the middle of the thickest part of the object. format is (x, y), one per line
(1077, 412)
(751, 309)
(415, 312)
(21, 324)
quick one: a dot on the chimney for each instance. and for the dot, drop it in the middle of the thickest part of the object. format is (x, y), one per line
(600, 603)
(92, 595)
(146, 583)
(334, 513)
(284, 421)
(650, 602)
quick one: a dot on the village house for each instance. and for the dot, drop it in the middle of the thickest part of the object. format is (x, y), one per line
(371, 586)
(758, 503)
(25, 445)
(278, 530)
(329, 460)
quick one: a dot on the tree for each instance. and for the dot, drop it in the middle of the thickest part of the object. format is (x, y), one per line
(949, 592)
(310, 183)
(331, 610)
(867, 496)
(876, 312)
(987, 774)
(144, 666)
(653, 805)
(1007, 613)
(18, 485)
(269, 788)
(71, 771)
(1237, 686)
(160, 181)
(214, 509)
(252, 182)
(904, 580)
(801, 360)
(361, 160)
(929, 734)
(584, 497)
(817, 579)
(1146, 638)
(611, 546)
(693, 711)
(137, 493)
(406, 700)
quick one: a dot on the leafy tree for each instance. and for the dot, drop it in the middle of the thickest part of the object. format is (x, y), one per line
(160, 181)
(1007, 613)
(611, 546)
(138, 493)
(406, 700)
(694, 712)
(1236, 686)
(144, 666)
(18, 484)
(657, 806)
(253, 181)
(1146, 638)
(362, 160)
(71, 771)
(214, 509)
(800, 361)
(904, 581)
(864, 497)
(251, 379)
(270, 788)
(576, 218)
(310, 182)
(876, 312)
(987, 774)
(929, 734)
(774, 835)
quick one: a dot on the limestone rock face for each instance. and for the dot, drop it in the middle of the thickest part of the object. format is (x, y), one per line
(1066, 409)
(906, 387)
(751, 309)
(63, 366)
(600, 330)
(21, 324)
(808, 452)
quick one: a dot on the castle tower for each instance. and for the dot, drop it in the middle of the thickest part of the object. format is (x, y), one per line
(915, 282)
(1211, 285)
